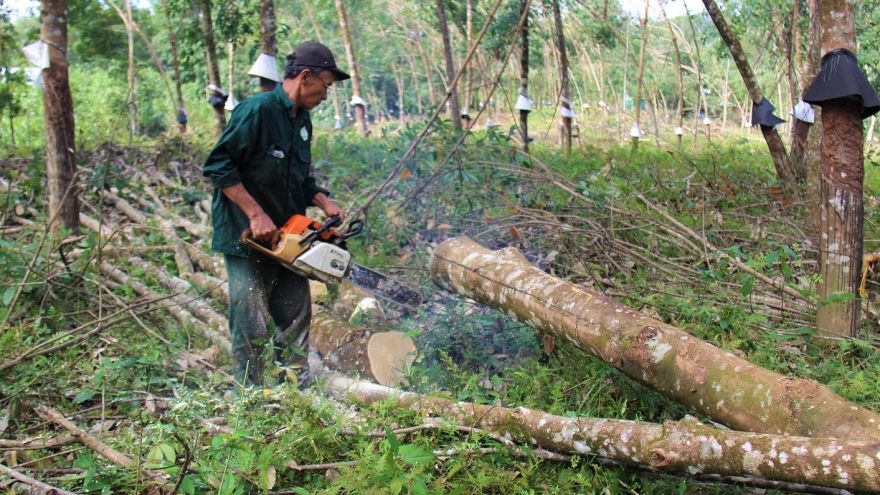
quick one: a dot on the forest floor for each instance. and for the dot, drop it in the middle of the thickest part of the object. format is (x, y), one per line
(119, 328)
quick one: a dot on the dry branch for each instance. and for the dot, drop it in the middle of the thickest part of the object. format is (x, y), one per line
(709, 380)
(685, 446)
(53, 416)
(42, 487)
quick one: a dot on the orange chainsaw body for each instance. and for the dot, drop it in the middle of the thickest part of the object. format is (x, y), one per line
(297, 228)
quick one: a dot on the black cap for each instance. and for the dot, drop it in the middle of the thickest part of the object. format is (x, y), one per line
(314, 54)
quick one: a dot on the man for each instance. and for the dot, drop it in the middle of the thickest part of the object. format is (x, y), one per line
(260, 173)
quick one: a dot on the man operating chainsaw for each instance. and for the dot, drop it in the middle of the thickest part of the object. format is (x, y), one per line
(260, 170)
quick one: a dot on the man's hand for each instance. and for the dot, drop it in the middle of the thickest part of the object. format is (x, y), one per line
(263, 229)
(330, 209)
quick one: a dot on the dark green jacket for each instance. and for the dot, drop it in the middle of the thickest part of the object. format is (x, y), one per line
(268, 150)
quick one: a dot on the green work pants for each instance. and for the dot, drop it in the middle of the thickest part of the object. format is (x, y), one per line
(258, 292)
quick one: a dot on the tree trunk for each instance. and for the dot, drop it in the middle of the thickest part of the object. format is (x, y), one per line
(58, 119)
(175, 61)
(564, 95)
(211, 54)
(704, 378)
(378, 354)
(359, 110)
(469, 41)
(789, 176)
(451, 90)
(340, 119)
(643, 23)
(842, 175)
(429, 74)
(685, 446)
(230, 75)
(267, 38)
(680, 111)
(524, 75)
(132, 105)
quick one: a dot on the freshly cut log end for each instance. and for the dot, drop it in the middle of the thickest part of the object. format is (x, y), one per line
(730, 390)
(390, 354)
(373, 352)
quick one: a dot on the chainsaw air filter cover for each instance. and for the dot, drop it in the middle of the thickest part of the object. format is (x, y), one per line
(763, 114)
(841, 77)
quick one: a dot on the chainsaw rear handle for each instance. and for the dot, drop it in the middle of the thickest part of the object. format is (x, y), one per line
(247, 238)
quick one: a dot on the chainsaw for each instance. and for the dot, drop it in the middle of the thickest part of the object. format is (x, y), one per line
(319, 252)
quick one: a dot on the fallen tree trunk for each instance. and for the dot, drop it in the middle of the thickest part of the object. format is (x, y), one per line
(709, 380)
(686, 446)
(377, 354)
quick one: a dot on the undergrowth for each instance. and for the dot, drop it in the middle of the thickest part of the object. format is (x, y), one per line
(578, 218)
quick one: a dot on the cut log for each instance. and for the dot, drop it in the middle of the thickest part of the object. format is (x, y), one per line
(377, 354)
(706, 379)
(686, 446)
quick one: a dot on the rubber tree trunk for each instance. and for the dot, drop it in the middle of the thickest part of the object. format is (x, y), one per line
(564, 95)
(524, 75)
(211, 54)
(678, 70)
(700, 376)
(643, 24)
(267, 38)
(429, 73)
(451, 91)
(686, 446)
(58, 119)
(842, 176)
(360, 116)
(789, 177)
(175, 61)
(132, 106)
(334, 95)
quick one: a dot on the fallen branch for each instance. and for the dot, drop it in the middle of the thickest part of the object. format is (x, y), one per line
(675, 446)
(47, 489)
(725, 388)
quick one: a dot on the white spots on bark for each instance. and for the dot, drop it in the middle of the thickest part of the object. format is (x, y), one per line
(783, 458)
(752, 461)
(710, 448)
(747, 446)
(720, 404)
(799, 450)
(865, 462)
(469, 258)
(582, 447)
(658, 350)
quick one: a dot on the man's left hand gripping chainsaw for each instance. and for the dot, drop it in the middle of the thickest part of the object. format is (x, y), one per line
(318, 252)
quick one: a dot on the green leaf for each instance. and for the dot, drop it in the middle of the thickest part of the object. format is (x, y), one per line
(300, 491)
(393, 444)
(84, 396)
(186, 485)
(415, 455)
(747, 286)
(8, 294)
(168, 452)
(418, 486)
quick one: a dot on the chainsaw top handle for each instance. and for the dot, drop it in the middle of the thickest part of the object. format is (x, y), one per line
(320, 230)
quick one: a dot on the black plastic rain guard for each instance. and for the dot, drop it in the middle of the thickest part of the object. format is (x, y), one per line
(841, 77)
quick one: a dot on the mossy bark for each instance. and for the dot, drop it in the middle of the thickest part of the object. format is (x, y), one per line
(704, 378)
(676, 446)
